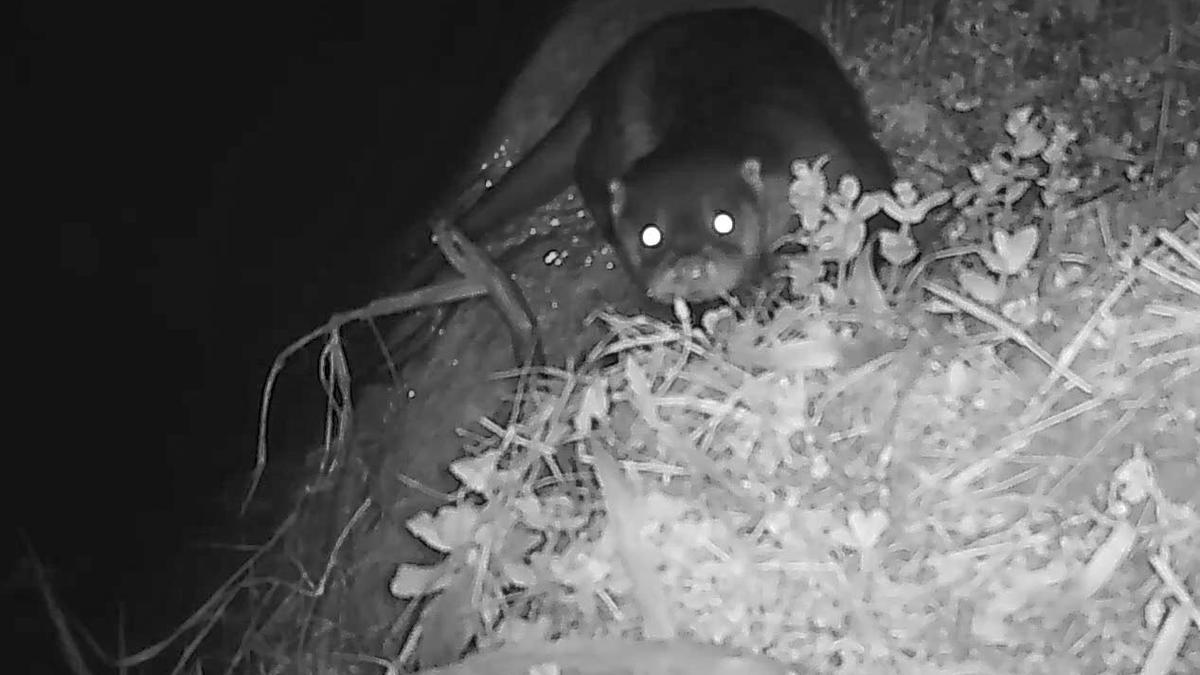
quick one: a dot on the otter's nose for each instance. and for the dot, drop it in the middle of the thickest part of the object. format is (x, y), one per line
(687, 240)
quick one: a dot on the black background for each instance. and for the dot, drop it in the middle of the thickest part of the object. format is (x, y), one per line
(222, 177)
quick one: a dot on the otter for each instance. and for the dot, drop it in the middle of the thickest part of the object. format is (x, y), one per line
(682, 144)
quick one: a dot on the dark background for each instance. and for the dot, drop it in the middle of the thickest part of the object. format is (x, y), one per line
(222, 177)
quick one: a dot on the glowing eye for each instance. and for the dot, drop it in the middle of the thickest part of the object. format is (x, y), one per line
(722, 222)
(651, 236)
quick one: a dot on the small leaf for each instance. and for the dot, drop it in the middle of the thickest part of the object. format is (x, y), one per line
(1134, 479)
(1014, 190)
(529, 508)
(719, 321)
(867, 527)
(848, 241)
(967, 103)
(411, 581)
(520, 574)
(476, 472)
(1029, 143)
(963, 196)
(1018, 120)
(452, 527)
(993, 261)
(849, 188)
(897, 247)
(808, 191)
(980, 287)
(794, 355)
(1017, 249)
(1021, 311)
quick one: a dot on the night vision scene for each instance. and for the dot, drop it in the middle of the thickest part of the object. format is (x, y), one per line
(610, 337)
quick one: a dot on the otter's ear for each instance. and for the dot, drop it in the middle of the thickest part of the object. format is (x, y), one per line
(752, 174)
(616, 190)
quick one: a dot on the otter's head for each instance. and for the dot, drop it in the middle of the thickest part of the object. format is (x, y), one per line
(692, 230)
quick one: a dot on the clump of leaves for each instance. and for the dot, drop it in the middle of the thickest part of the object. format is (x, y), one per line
(1021, 191)
(832, 232)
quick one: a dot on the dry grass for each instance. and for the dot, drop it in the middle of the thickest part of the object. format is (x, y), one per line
(919, 512)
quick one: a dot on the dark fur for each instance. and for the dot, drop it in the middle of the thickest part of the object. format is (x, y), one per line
(662, 135)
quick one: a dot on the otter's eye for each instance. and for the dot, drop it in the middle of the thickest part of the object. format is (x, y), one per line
(651, 235)
(722, 222)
